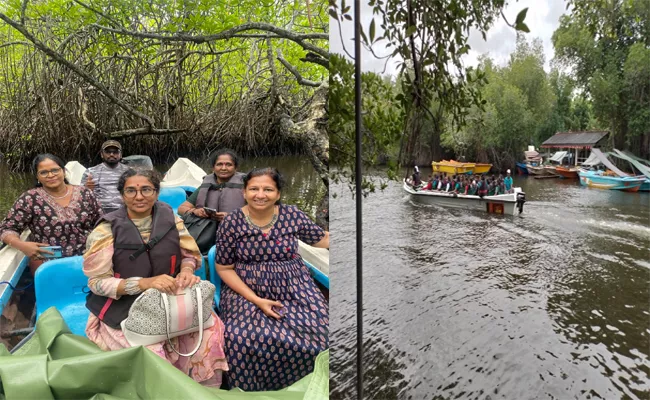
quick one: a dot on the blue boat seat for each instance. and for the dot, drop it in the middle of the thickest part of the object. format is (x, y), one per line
(214, 277)
(174, 196)
(62, 284)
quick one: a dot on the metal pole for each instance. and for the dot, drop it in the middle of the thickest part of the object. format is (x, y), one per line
(357, 123)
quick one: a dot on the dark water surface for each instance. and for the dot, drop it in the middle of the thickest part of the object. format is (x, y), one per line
(303, 186)
(462, 305)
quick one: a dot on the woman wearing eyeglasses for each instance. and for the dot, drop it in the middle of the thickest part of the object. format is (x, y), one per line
(117, 273)
(56, 213)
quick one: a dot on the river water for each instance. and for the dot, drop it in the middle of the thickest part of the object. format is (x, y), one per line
(554, 304)
(303, 186)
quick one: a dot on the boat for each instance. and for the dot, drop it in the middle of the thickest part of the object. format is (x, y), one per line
(521, 167)
(183, 174)
(640, 164)
(507, 204)
(536, 170)
(602, 180)
(567, 172)
(480, 168)
(613, 179)
(452, 167)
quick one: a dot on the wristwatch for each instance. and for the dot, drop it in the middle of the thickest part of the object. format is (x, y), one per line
(132, 287)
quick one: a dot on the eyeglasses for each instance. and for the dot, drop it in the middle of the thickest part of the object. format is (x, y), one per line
(54, 171)
(116, 151)
(130, 193)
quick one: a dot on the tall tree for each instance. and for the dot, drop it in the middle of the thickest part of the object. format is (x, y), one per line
(602, 41)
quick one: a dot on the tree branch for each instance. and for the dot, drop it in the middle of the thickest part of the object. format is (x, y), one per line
(83, 74)
(298, 38)
(13, 43)
(294, 71)
(23, 8)
(143, 131)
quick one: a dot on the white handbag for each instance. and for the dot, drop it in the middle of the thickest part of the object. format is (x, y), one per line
(155, 316)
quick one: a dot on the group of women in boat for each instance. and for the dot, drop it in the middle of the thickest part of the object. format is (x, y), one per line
(273, 319)
(476, 185)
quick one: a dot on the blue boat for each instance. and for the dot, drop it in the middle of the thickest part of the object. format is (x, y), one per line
(522, 169)
(600, 180)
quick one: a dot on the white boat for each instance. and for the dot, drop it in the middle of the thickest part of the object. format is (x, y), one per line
(12, 265)
(183, 173)
(500, 204)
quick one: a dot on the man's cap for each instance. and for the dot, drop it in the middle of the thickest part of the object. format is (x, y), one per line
(508, 171)
(111, 143)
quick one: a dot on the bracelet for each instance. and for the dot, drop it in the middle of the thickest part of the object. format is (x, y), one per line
(188, 266)
(132, 286)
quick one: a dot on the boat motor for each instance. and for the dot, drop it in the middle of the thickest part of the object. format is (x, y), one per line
(521, 199)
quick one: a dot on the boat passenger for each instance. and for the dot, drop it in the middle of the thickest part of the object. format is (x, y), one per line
(491, 188)
(458, 186)
(115, 281)
(55, 212)
(508, 181)
(416, 177)
(102, 178)
(276, 317)
(220, 191)
(429, 183)
(502, 187)
(482, 187)
(472, 188)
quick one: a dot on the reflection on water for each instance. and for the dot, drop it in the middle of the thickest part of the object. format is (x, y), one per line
(457, 304)
(303, 186)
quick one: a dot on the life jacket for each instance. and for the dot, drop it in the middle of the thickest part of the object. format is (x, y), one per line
(223, 197)
(132, 257)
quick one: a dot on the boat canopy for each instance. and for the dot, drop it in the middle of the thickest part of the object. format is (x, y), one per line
(604, 160)
(532, 155)
(645, 170)
(592, 161)
(558, 156)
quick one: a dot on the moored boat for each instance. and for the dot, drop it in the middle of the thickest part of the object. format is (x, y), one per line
(522, 169)
(567, 172)
(601, 180)
(480, 168)
(452, 167)
(536, 169)
(508, 203)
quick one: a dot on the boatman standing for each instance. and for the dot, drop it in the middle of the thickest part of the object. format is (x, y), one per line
(102, 178)
(508, 181)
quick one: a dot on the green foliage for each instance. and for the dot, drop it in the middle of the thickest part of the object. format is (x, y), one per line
(606, 44)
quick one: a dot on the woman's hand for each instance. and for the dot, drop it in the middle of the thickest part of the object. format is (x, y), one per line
(266, 306)
(33, 249)
(200, 212)
(163, 283)
(186, 278)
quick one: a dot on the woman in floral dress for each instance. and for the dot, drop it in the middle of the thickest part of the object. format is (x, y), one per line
(276, 318)
(56, 213)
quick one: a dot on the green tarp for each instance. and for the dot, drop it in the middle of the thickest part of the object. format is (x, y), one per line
(55, 364)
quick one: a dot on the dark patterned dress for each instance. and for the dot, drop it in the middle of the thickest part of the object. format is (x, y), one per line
(51, 223)
(264, 353)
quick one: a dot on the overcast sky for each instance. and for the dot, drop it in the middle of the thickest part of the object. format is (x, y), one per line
(542, 19)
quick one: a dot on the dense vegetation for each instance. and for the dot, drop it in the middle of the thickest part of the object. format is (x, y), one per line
(166, 78)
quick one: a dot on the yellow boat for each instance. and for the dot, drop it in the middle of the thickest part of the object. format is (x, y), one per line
(452, 167)
(456, 167)
(482, 168)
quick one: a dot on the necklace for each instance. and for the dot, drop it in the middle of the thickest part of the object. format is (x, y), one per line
(270, 224)
(67, 192)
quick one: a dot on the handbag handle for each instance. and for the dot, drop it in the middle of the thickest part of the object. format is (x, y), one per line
(199, 301)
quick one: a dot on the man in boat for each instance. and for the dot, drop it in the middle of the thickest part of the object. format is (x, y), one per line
(482, 187)
(507, 181)
(416, 177)
(102, 178)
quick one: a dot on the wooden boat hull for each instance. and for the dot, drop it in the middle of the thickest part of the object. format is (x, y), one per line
(596, 179)
(537, 170)
(501, 204)
(567, 173)
(522, 169)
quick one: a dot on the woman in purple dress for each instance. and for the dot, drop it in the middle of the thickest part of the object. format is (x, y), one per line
(276, 318)
(56, 213)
